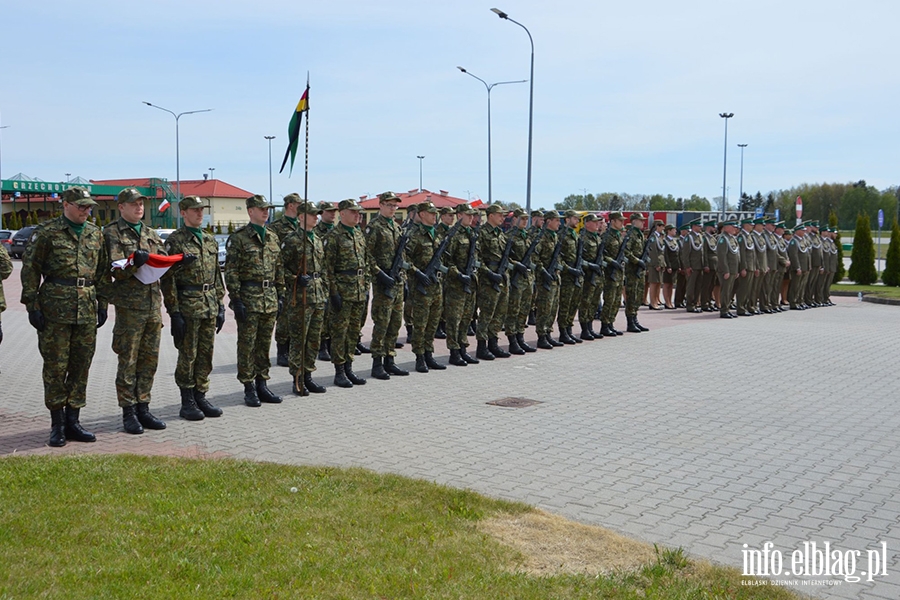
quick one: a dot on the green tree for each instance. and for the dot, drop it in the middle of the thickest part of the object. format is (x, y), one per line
(891, 274)
(839, 273)
(862, 265)
(697, 204)
(230, 227)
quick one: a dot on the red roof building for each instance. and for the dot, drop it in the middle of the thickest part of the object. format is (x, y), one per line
(440, 199)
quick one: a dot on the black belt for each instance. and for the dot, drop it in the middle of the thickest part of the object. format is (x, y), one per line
(76, 281)
(263, 284)
(196, 288)
(315, 275)
(357, 272)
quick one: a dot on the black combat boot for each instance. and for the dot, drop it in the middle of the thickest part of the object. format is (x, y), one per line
(421, 367)
(57, 428)
(482, 352)
(378, 371)
(638, 324)
(615, 331)
(203, 404)
(471, 330)
(362, 348)
(586, 332)
(543, 343)
(433, 364)
(605, 330)
(189, 408)
(282, 357)
(130, 420)
(514, 347)
(597, 335)
(520, 338)
(146, 418)
(340, 377)
(353, 377)
(391, 367)
(409, 332)
(298, 388)
(531, 320)
(554, 343)
(572, 336)
(456, 360)
(311, 385)
(467, 357)
(496, 350)
(441, 332)
(74, 430)
(565, 338)
(325, 350)
(264, 393)
(250, 397)
(632, 328)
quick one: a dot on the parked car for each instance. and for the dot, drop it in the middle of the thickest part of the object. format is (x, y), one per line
(6, 238)
(222, 239)
(164, 233)
(20, 241)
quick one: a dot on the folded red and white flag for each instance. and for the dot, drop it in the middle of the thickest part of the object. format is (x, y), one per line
(155, 267)
(163, 205)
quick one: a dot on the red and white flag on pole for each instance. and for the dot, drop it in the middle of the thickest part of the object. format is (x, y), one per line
(155, 267)
(163, 205)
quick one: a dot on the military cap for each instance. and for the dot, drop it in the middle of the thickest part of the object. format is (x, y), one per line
(710, 224)
(323, 206)
(537, 213)
(465, 209)
(308, 208)
(616, 216)
(492, 209)
(519, 213)
(258, 201)
(78, 196)
(129, 195)
(388, 197)
(799, 227)
(349, 204)
(636, 215)
(428, 207)
(779, 225)
(551, 214)
(731, 222)
(813, 223)
(657, 222)
(695, 222)
(569, 213)
(590, 217)
(746, 221)
(191, 202)
(788, 232)
(770, 221)
(759, 221)
(445, 210)
(669, 227)
(293, 198)
(684, 227)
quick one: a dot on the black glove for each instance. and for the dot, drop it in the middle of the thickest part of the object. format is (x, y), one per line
(140, 258)
(102, 316)
(240, 311)
(494, 277)
(465, 279)
(546, 275)
(280, 306)
(424, 279)
(385, 279)
(593, 267)
(187, 259)
(179, 327)
(573, 271)
(220, 318)
(36, 318)
(641, 264)
(615, 265)
(303, 281)
(337, 303)
(521, 268)
(405, 291)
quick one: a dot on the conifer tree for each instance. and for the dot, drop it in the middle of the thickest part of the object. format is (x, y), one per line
(862, 265)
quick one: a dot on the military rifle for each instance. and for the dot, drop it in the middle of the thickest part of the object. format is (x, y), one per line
(526, 259)
(579, 261)
(553, 267)
(645, 256)
(597, 266)
(617, 264)
(504, 259)
(434, 265)
(398, 262)
(471, 261)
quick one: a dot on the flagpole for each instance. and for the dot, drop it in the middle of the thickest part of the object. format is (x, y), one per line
(303, 330)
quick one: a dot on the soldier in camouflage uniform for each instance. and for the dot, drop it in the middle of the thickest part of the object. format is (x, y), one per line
(571, 279)
(425, 293)
(66, 309)
(6, 269)
(382, 241)
(634, 272)
(136, 333)
(519, 304)
(493, 288)
(612, 284)
(254, 277)
(460, 287)
(593, 276)
(283, 226)
(193, 295)
(446, 222)
(547, 281)
(328, 212)
(412, 219)
(303, 257)
(347, 274)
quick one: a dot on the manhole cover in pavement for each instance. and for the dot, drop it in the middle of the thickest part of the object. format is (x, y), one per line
(514, 402)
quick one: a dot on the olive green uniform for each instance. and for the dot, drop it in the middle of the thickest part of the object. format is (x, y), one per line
(710, 276)
(634, 277)
(492, 297)
(798, 254)
(547, 283)
(744, 283)
(304, 307)
(593, 279)
(571, 281)
(459, 299)
(322, 229)
(612, 283)
(347, 275)
(520, 293)
(728, 261)
(382, 240)
(282, 227)
(693, 258)
(426, 301)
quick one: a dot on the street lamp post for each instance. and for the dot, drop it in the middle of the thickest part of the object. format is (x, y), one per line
(421, 158)
(725, 116)
(742, 146)
(270, 138)
(489, 87)
(211, 173)
(177, 151)
(1, 154)
(503, 15)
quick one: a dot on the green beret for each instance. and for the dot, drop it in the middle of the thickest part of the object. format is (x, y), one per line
(684, 227)
(78, 196)
(551, 214)
(695, 222)
(349, 204)
(129, 195)
(616, 216)
(191, 202)
(293, 198)
(258, 201)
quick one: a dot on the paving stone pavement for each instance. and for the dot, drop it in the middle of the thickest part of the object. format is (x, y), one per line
(702, 433)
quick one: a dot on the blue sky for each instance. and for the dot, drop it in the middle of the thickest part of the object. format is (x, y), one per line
(626, 97)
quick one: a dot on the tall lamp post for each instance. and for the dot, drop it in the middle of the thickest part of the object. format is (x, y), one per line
(1, 156)
(421, 158)
(725, 116)
(489, 87)
(270, 138)
(741, 197)
(503, 15)
(177, 151)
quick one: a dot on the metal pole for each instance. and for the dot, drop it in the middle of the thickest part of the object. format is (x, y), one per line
(270, 138)
(725, 116)
(421, 158)
(742, 146)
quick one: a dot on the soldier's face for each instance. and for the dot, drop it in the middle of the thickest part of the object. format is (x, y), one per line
(387, 209)
(193, 217)
(76, 214)
(132, 211)
(290, 209)
(523, 222)
(601, 225)
(495, 219)
(553, 224)
(617, 223)
(428, 218)
(349, 217)
(328, 216)
(258, 215)
(465, 219)
(592, 226)
(310, 221)
(537, 221)
(447, 219)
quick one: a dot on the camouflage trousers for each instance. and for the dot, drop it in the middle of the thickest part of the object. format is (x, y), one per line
(426, 313)
(136, 336)
(519, 304)
(304, 332)
(569, 298)
(546, 307)
(634, 292)
(492, 306)
(67, 351)
(282, 329)
(612, 297)
(458, 309)
(590, 298)
(253, 345)
(195, 354)
(387, 316)
(345, 325)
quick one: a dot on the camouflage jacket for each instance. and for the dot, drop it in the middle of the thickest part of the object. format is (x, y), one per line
(457, 255)
(634, 250)
(569, 251)
(253, 271)
(421, 248)
(322, 229)
(612, 243)
(282, 227)
(55, 252)
(6, 269)
(491, 244)
(543, 254)
(183, 285)
(292, 255)
(123, 289)
(347, 263)
(382, 238)
(589, 251)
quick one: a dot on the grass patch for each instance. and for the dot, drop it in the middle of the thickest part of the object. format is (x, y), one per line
(881, 291)
(149, 527)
